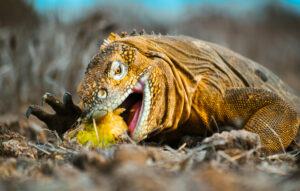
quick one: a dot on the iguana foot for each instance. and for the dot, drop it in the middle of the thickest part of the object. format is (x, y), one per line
(66, 113)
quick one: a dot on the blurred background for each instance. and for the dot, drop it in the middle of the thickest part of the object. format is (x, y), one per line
(45, 45)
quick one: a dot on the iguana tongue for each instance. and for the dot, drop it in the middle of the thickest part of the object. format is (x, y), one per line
(134, 115)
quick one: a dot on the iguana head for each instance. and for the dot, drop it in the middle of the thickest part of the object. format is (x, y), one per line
(119, 75)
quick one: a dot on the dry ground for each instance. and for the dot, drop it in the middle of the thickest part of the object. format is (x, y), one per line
(32, 158)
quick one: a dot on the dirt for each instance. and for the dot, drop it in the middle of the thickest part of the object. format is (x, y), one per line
(34, 158)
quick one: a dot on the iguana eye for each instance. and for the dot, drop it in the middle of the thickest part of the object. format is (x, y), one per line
(118, 70)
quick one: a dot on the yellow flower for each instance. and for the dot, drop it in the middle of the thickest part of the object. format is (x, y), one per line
(103, 132)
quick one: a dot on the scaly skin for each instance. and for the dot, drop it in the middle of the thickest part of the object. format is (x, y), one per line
(191, 86)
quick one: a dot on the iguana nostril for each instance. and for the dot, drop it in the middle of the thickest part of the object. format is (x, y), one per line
(102, 93)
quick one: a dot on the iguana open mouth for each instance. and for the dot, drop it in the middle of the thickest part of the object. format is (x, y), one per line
(136, 102)
(133, 105)
(137, 105)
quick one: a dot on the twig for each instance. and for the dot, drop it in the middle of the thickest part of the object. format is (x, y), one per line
(227, 157)
(96, 130)
(38, 148)
(246, 153)
(181, 147)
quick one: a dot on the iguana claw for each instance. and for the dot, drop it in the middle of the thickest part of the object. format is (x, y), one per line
(66, 112)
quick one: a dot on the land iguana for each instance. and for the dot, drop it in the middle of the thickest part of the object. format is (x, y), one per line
(178, 83)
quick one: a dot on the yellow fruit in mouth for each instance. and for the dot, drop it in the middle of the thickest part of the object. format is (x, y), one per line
(103, 132)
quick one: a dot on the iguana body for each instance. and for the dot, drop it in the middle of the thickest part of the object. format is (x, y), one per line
(188, 84)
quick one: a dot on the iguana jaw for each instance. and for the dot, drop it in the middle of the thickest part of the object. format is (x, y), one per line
(138, 125)
(137, 112)
(137, 122)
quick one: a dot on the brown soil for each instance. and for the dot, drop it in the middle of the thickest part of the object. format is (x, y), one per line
(33, 158)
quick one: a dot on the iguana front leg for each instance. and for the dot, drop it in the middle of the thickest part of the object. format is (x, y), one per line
(66, 113)
(264, 113)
